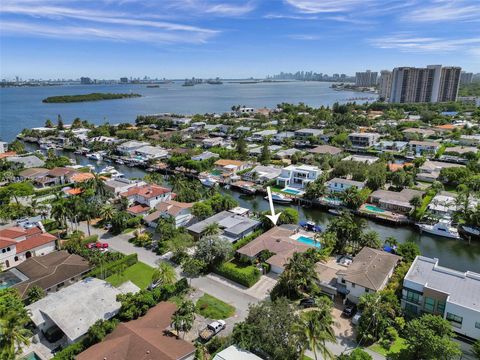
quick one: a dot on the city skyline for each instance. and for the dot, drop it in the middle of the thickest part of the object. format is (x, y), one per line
(233, 39)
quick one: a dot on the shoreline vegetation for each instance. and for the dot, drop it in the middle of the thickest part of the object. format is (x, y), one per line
(88, 97)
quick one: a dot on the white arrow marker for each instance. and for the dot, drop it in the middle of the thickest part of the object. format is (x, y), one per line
(274, 217)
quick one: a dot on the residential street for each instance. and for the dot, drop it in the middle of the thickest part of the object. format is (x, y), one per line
(223, 289)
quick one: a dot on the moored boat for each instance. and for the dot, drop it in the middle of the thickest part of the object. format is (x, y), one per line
(442, 228)
(335, 212)
(209, 181)
(279, 198)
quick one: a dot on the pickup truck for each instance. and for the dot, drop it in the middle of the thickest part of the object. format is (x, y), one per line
(211, 330)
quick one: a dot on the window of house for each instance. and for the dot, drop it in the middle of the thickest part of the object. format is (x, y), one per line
(477, 324)
(16, 258)
(455, 320)
(353, 285)
(440, 307)
(343, 281)
(413, 297)
(429, 304)
(367, 290)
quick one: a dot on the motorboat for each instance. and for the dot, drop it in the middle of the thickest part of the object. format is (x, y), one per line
(110, 170)
(209, 181)
(442, 228)
(310, 226)
(279, 198)
(335, 212)
(120, 162)
(95, 156)
(470, 231)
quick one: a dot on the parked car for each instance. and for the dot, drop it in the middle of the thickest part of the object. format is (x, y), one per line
(307, 303)
(356, 318)
(97, 245)
(350, 309)
(212, 329)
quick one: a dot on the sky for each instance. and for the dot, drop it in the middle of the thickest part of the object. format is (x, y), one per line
(109, 39)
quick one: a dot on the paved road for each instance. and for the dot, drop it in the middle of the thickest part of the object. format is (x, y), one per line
(231, 293)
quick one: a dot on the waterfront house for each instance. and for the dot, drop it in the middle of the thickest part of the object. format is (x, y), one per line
(304, 134)
(443, 204)
(29, 161)
(385, 146)
(454, 295)
(262, 173)
(144, 338)
(430, 170)
(233, 226)
(31, 174)
(103, 140)
(298, 175)
(229, 167)
(120, 185)
(262, 135)
(365, 159)
(18, 244)
(150, 152)
(212, 142)
(50, 272)
(281, 136)
(74, 309)
(149, 194)
(286, 154)
(180, 212)
(325, 150)
(205, 156)
(369, 272)
(423, 147)
(339, 185)
(128, 148)
(280, 241)
(394, 201)
(363, 140)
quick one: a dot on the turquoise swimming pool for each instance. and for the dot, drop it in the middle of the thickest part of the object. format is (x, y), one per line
(32, 356)
(374, 208)
(309, 241)
(8, 279)
(291, 191)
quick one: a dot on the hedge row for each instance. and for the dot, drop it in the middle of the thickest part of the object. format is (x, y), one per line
(51, 190)
(242, 242)
(244, 275)
(102, 272)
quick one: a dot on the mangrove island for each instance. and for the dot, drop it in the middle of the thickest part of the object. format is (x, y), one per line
(87, 97)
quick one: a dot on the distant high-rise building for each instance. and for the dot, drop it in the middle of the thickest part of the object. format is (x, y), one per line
(431, 84)
(385, 84)
(86, 81)
(366, 78)
(466, 78)
(123, 80)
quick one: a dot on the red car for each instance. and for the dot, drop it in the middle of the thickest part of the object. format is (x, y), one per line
(97, 245)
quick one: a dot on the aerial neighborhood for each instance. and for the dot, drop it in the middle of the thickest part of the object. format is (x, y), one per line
(177, 236)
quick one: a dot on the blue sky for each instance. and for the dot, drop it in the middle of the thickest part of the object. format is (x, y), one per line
(232, 38)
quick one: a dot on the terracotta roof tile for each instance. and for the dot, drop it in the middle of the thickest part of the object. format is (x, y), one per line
(34, 241)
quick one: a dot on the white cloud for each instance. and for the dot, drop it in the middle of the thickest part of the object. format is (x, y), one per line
(441, 10)
(326, 6)
(229, 8)
(304, 37)
(406, 43)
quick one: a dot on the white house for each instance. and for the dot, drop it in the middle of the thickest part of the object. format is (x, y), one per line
(18, 244)
(235, 353)
(369, 272)
(3, 147)
(422, 147)
(469, 140)
(121, 185)
(304, 134)
(261, 135)
(149, 194)
(430, 170)
(211, 142)
(298, 175)
(451, 294)
(129, 147)
(179, 211)
(363, 140)
(338, 185)
(149, 152)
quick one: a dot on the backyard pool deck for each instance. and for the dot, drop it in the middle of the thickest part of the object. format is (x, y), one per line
(374, 211)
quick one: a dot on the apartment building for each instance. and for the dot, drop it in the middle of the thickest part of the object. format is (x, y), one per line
(454, 295)
(385, 84)
(431, 84)
(366, 78)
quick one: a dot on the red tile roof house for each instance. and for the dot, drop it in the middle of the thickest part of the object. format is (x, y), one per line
(18, 244)
(149, 194)
(179, 211)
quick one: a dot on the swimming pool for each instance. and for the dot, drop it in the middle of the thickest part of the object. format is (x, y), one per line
(374, 208)
(8, 279)
(292, 191)
(32, 356)
(309, 241)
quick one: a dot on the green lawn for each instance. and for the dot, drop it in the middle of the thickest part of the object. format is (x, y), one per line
(213, 308)
(396, 347)
(140, 274)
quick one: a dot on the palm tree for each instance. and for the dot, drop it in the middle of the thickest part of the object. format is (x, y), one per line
(211, 229)
(317, 327)
(165, 274)
(59, 212)
(14, 334)
(183, 318)
(107, 212)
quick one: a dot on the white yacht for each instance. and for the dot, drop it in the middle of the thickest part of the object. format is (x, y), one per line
(442, 228)
(95, 156)
(279, 198)
(209, 181)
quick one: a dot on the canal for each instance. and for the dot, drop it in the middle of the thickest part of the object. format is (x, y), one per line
(456, 254)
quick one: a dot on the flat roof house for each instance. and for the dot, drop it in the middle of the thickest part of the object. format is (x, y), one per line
(394, 201)
(261, 135)
(298, 175)
(235, 353)
(470, 140)
(212, 142)
(369, 271)
(451, 294)
(263, 173)
(145, 338)
(363, 140)
(227, 166)
(51, 272)
(129, 147)
(365, 159)
(120, 185)
(443, 204)
(205, 156)
(150, 152)
(424, 147)
(77, 307)
(233, 226)
(303, 134)
(338, 185)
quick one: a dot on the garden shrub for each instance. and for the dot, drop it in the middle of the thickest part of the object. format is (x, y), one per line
(246, 275)
(102, 272)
